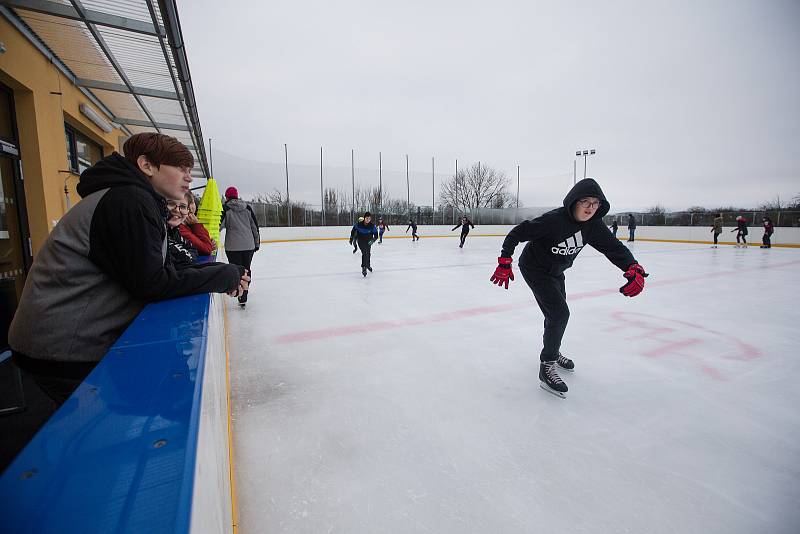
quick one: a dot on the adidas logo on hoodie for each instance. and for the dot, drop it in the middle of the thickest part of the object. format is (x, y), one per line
(570, 246)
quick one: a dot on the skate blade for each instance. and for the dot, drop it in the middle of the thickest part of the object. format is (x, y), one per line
(552, 391)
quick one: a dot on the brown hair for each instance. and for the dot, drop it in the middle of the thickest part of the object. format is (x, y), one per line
(190, 198)
(157, 148)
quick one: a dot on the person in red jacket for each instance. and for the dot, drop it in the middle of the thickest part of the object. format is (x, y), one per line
(768, 231)
(193, 231)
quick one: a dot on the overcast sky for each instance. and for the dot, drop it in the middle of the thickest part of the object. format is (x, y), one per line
(687, 102)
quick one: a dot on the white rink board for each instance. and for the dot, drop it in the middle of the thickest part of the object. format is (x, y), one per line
(409, 401)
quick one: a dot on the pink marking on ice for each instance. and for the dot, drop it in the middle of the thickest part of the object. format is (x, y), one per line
(672, 347)
(749, 352)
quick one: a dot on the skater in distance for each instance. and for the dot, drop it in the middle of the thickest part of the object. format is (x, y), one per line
(364, 233)
(553, 242)
(413, 226)
(382, 227)
(242, 238)
(464, 224)
(716, 228)
(769, 229)
(741, 232)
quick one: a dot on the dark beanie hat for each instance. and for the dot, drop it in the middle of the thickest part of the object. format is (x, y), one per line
(367, 214)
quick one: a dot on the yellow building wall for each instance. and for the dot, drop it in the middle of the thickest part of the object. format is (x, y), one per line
(41, 113)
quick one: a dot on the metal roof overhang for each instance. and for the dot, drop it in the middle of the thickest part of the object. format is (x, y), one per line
(127, 56)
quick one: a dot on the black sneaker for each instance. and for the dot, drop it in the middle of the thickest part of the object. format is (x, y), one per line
(565, 363)
(550, 381)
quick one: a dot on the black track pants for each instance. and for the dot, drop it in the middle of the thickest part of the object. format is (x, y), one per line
(243, 258)
(464, 237)
(551, 295)
(240, 257)
(366, 249)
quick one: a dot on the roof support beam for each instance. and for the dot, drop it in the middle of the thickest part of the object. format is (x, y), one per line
(15, 21)
(149, 124)
(121, 88)
(169, 11)
(111, 59)
(99, 18)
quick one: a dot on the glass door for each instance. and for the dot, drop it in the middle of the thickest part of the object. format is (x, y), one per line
(14, 243)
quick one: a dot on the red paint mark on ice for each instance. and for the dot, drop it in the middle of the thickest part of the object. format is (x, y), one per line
(682, 339)
(746, 352)
(671, 347)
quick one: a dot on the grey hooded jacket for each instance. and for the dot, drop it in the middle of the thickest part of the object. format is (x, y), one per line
(241, 228)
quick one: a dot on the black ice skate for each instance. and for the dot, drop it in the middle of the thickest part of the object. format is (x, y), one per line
(364, 271)
(565, 363)
(550, 381)
(243, 300)
(369, 269)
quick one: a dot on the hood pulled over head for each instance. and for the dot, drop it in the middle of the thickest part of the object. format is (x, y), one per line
(586, 188)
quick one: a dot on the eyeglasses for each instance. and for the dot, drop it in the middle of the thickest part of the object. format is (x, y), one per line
(174, 206)
(586, 203)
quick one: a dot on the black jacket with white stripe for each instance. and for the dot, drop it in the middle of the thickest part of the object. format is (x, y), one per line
(555, 238)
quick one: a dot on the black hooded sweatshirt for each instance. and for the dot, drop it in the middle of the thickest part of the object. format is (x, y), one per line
(128, 235)
(105, 259)
(555, 238)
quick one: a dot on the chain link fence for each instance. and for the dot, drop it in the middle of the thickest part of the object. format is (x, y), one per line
(311, 215)
(783, 218)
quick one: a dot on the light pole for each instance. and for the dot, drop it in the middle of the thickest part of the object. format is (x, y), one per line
(321, 193)
(517, 213)
(380, 185)
(211, 157)
(408, 191)
(585, 154)
(455, 197)
(433, 189)
(288, 204)
(353, 178)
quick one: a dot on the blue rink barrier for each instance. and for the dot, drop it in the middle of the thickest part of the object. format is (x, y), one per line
(142, 444)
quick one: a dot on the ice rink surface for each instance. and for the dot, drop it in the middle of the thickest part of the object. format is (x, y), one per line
(409, 401)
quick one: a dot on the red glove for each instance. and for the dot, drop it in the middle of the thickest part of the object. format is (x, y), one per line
(635, 275)
(503, 273)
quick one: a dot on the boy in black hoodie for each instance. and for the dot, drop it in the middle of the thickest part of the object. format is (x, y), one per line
(554, 241)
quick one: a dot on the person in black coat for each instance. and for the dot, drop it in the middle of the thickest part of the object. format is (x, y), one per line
(413, 226)
(364, 233)
(464, 224)
(554, 241)
(631, 227)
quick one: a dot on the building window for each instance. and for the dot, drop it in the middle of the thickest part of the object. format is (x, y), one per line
(82, 153)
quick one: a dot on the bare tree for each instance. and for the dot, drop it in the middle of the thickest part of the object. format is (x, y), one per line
(477, 186)
(771, 205)
(658, 209)
(273, 197)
